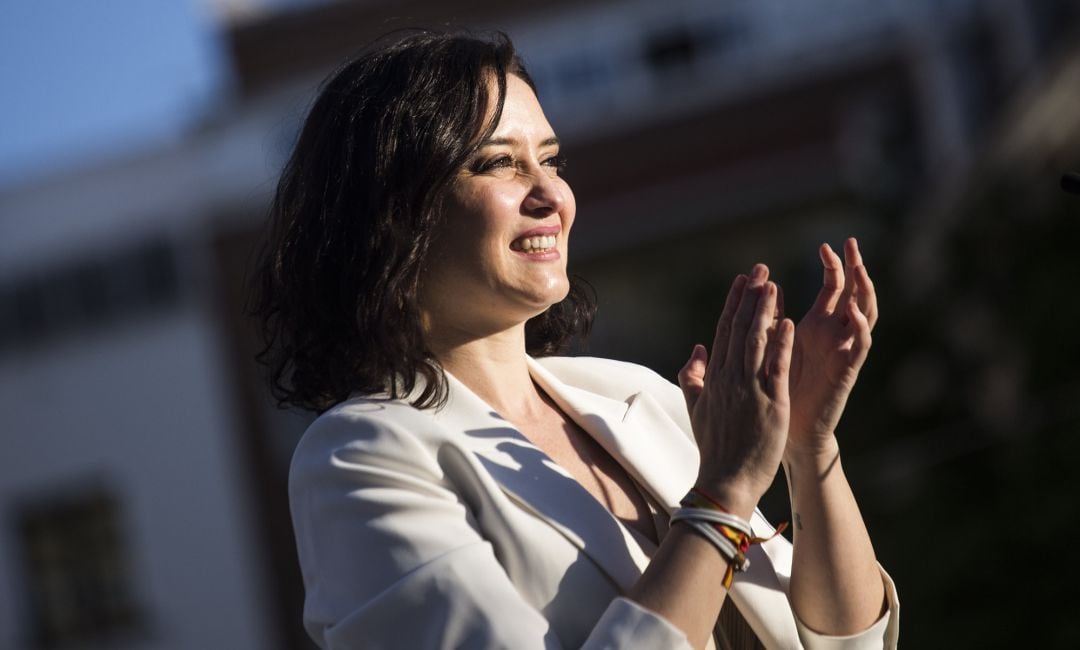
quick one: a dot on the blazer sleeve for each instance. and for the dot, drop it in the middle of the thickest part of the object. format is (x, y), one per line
(392, 558)
(882, 634)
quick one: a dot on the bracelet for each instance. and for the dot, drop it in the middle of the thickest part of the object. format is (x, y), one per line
(714, 517)
(698, 498)
(731, 535)
(737, 560)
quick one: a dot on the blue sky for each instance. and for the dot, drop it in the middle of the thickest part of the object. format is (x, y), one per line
(89, 80)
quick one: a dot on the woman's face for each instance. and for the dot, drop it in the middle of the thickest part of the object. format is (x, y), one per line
(499, 256)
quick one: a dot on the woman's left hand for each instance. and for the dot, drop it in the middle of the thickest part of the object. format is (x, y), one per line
(831, 344)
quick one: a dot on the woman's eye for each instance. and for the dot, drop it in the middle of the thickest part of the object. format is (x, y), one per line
(558, 161)
(493, 163)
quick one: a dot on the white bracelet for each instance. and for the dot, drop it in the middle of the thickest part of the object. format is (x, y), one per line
(722, 544)
(714, 516)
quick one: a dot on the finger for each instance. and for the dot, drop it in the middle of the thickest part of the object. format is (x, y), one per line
(692, 375)
(757, 337)
(779, 361)
(852, 260)
(852, 255)
(744, 314)
(867, 296)
(723, 324)
(858, 330)
(832, 281)
(779, 315)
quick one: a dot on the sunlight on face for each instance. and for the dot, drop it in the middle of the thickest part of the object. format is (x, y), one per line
(499, 257)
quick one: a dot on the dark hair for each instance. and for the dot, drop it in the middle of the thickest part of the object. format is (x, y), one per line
(356, 204)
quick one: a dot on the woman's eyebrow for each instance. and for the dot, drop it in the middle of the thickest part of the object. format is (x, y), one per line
(490, 142)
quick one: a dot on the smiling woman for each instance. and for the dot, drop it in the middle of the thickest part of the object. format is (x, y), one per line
(395, 137)
(465, 488)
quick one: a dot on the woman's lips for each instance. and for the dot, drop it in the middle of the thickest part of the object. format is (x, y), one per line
(534, 244)
(537, 242)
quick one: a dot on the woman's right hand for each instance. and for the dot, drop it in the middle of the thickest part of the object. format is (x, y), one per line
(738, 399)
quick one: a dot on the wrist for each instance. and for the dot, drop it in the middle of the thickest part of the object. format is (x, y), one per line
(811, 460)
(734, 500)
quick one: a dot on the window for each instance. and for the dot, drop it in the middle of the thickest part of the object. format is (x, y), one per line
(89, 293)
(77, 571)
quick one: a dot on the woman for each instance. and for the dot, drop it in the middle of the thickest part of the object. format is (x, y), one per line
(460, 491)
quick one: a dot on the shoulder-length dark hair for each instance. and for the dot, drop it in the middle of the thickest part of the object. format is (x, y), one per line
(356, 204)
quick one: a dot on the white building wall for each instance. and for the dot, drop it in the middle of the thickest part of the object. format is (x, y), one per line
(142, 408)
(139, 401)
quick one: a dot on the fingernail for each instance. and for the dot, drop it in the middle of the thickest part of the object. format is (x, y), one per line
(758, 272)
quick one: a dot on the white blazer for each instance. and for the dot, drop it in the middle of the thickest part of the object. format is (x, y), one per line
(448, 529)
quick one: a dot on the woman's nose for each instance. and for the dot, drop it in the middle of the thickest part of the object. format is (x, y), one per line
(545, 195)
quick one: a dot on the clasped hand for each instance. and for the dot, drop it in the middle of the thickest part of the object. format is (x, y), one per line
(771, 390)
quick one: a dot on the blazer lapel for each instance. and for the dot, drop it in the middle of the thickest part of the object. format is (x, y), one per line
(760, 592)
(540, 485)
(636, 432)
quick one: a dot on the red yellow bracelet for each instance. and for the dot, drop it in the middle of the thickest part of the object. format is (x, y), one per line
(731, 535)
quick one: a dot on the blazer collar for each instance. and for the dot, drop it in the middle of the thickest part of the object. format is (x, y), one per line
(537, 483)
(636, 432)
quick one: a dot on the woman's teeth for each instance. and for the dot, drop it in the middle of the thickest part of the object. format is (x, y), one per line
(539, 244)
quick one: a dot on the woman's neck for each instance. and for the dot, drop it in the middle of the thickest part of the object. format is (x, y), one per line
(494, 367)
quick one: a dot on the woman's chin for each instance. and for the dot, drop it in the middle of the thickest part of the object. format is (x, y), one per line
(534, 306)
(552, 293)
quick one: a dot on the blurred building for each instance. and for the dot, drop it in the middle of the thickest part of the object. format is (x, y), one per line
(143, 464)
